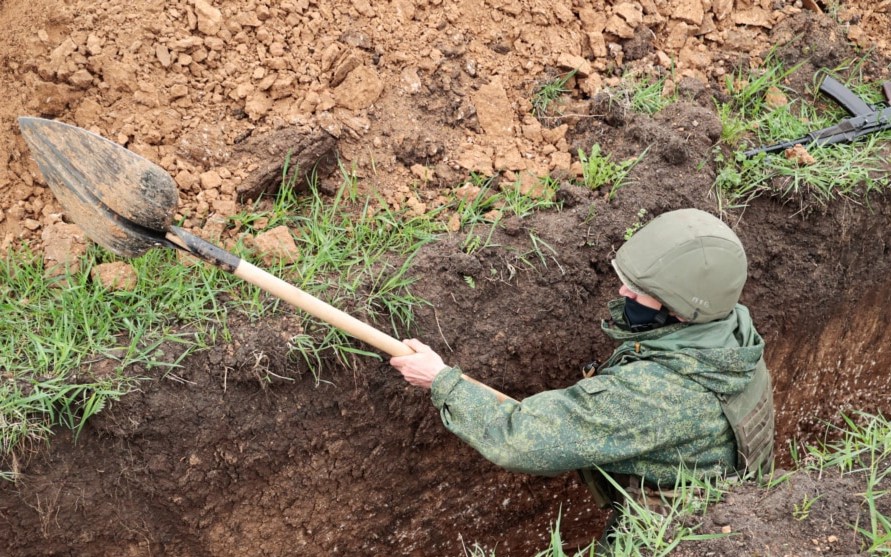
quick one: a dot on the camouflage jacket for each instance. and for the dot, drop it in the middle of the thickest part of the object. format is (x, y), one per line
(652, 406)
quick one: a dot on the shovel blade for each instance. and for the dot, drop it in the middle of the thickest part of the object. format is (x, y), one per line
(122, 201)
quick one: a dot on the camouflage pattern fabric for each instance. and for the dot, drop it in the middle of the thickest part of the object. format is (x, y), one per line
(652, 406)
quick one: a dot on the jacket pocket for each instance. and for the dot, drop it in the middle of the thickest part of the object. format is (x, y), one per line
(592, 385)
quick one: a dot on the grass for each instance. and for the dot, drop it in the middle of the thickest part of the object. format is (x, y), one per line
(643, 531)
(52, 328)
(639, 92)
(864, 447)
(644, 93)
(849, 171)
(357, 256)
(482, 208)
(636, 92)
(548, 92)
(839, 171)
(598, 170)
(554, 549)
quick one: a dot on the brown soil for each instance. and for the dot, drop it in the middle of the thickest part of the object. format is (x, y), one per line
(227, 458)
(809, 514)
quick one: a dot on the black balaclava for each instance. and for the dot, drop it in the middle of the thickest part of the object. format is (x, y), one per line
(642, 318)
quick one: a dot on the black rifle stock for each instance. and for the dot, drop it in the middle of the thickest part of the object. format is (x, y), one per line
(864, 120)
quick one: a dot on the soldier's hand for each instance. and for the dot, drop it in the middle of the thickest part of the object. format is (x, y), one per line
(420, 368)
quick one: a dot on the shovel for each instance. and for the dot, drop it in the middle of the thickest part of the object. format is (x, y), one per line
(126, 204)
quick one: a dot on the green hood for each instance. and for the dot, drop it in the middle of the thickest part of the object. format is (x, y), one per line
(719, 355)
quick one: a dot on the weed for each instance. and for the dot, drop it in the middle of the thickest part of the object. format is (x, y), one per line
(539, 247)
(802, 510)
(773, 479)
(733, 127)
(643, 93)
(479, 205)
(473, 242)
(52, 325)
(548, 92)
(347, 254)
(555, 547)
(476, 551)
(646, 93)
(629, 232)
(598, 169)
(516, 201)
(747, 89)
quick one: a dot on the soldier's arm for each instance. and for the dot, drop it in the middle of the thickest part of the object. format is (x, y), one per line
(550, 432)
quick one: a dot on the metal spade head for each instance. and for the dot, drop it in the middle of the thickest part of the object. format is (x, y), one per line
(122, 201)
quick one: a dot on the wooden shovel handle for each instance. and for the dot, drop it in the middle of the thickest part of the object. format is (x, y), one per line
(333, 316)
(298, 298)
(322, 310)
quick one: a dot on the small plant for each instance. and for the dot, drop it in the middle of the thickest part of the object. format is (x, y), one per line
(48, 332)
(772, 479)
(629, 232)
(733, 127)
(646, 94)
(472, 242)
(476, 551)
(802, 510)
(478, 203)
(598, 169)
(549, 92)
(747, 89)
(538, 249)
(267, 213)
(555, 547)
(643, 93)
(517, 201)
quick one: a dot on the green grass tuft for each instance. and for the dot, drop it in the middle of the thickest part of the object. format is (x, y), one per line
(549, 92)
(598, 170)
(864, 447)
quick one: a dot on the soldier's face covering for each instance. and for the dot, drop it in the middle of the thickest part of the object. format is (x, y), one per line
(637, 314)
(643, 312)
(644, 318)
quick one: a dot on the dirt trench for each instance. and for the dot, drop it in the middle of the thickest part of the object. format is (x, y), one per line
(240, 452)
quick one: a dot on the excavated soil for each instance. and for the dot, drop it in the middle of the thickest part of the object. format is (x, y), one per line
(241, 452)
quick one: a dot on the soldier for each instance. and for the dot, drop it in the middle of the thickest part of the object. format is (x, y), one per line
(686, 387)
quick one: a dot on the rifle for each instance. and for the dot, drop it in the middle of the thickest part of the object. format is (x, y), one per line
(864, 120)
